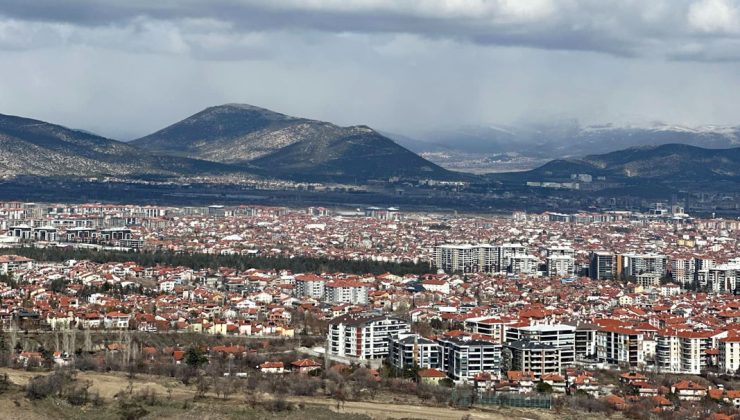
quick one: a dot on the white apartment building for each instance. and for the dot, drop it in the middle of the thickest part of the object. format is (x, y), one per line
(364, 335)
(560, 265)
(454, 258)
(729, 354)
(684, 351)
(346, 291)
(723, 277)
(309, 285)
(523, 264)
(493, 327)
(505, 253)
(632, 265)
(561, 336)
(9, 263)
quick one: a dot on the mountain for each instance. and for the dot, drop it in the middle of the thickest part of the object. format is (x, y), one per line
(282, 146)
(37, 148)
(668, 162)
(533, 143)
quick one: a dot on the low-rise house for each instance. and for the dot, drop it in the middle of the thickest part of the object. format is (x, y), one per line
(272, 367)
(304, 365)
(689, 391)
(430, 376)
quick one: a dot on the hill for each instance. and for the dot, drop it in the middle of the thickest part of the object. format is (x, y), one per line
(665, 163)
(32, 147)
(288, 147)
(528, 145)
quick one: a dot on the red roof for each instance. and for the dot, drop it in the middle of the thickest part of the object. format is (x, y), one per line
(431, 373)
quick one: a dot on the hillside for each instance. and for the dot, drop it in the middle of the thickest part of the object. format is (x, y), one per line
(527, 146)
(289, 147)
(32, 147)
(669, 162)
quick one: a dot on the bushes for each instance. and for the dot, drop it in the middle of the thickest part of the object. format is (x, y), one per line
(61, 384)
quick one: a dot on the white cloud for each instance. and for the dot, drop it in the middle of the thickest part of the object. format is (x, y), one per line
(714, 16)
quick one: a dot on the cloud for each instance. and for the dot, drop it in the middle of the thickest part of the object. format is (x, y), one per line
(714, 16)
(126, 68)
(633, 28)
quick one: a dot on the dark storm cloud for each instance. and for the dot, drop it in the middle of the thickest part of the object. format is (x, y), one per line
(684, 29)
(128, 67)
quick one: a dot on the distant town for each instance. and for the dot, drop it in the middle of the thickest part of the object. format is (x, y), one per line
(627, 309)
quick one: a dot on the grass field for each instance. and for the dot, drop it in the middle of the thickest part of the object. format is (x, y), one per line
(170, 399)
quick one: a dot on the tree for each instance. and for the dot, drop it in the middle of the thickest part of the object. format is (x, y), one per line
(544, 388)
(195, 358)
(506, 357)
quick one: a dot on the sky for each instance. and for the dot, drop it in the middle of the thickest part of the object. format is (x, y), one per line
(124, 69)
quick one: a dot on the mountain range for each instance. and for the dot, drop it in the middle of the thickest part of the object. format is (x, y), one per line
(675, 162)
(37, 148)
(564, 139)
(248, 141)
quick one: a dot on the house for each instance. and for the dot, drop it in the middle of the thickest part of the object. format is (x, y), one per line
(304, 366)
(733, 397)
(615, 401)
(272, 367)
(117, 320)
(556, 381)
(586, 383)
(689, 390)
(430, 376)
(30, 359)
(521, 381)
(630, 377)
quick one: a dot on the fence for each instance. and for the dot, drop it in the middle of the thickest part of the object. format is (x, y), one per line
(502, 399)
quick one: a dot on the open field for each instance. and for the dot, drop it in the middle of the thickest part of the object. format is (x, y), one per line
(175, 400)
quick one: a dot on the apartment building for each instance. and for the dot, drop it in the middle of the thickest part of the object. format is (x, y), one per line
(560, 265)
(492, 327)
(561, 336)
(463, 258)
(729, 354)
(620, 346)
(9, 263)
(539, 358)
(683, 351)
(364, 335)
(310, 285)
(683, 270)
(602, 265)
(346, 291)
(412, 350)
(465, 357)
(632, 265)
(723, 278)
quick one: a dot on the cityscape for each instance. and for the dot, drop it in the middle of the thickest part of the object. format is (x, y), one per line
(369, 210)
(623, 308)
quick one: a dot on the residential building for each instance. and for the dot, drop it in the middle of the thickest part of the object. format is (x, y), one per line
(464, 357)
(561, 336)
(412, 350)
(531, 356)
(364, 335)
(620, 346)
(602, 265)
(347, 291)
